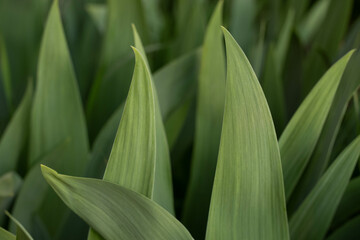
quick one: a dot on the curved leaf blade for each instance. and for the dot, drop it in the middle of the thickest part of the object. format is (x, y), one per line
(248, 199)
(114, 211)
(300, 136)
(21, 233)
(320, 205)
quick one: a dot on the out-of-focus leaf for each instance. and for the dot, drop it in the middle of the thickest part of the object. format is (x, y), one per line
(5, 73)
(154, 17)
(318, 162)
(21, 233)
(300, 136)
(310, 24)
(320, 205)
(353, 38)
(9, 186)
(109, 90)
(56, 115)
(5, 235)
(190, 19)
(350, 203)
(174, 82)
(327, 41)
(248, 177)
(209, 114)
(349, 231)
(114, 211)
(242, 20)
(98, 13)
(15, 136)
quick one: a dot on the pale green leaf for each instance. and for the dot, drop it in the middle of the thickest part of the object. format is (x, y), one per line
(209, 114)
(15, 136)
(248, 200)
(5, 235)
(313, 217)
(21, 233)
(9, 186)
(98, 12)
(114, 211)
(300, 136)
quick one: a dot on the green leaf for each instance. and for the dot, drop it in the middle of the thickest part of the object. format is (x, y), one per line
(313, 217)
(15, 136)
(98, 12)
(115, 211)
(56, 115)
(350, 203)
(300, 136)
(248, 177)
(21, 233)
(112, 80)
(9, 186)
(209, 114)
(5, 235)
(140, 159)
(5, 73)
(349, 231)
(318, 162)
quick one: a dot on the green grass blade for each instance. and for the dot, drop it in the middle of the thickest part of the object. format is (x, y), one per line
(114, 211)
(5, 235)
(313, 217)
(349, 231)
(21, 233)
(318, 162)
(9, 186)
(248, 199)
(209, 114)
(300, 136)
(5, 75)
(16, 133)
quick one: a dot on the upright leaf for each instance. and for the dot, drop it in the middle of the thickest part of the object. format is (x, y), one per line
(56, 115)
(16, 133)
(5, 235)
(115, 211)
(209, 114)
(314, 216)
(349, 231)
(9, 186)
(248, 199)
(21, 233)
(300, 136)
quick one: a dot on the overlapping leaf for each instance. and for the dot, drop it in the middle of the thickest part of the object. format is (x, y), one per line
(122, 214)
(209, 114)
(248, 199)
(300, 136)
(313, 217)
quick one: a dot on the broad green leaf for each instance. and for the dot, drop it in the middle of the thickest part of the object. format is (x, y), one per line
(98, 13)
(209, 114)
(318, 162)
(21, 233)
(109, 90)
(300, 136)
(349, 204)
(311, 23)
(15, 136)
(5, 235)
(9, 186)
(56, 115)
(115, 211)
(248, 200)
(313, 217)
(349, 231)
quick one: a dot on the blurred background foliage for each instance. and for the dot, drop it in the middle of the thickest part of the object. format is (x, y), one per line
(290, 44)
